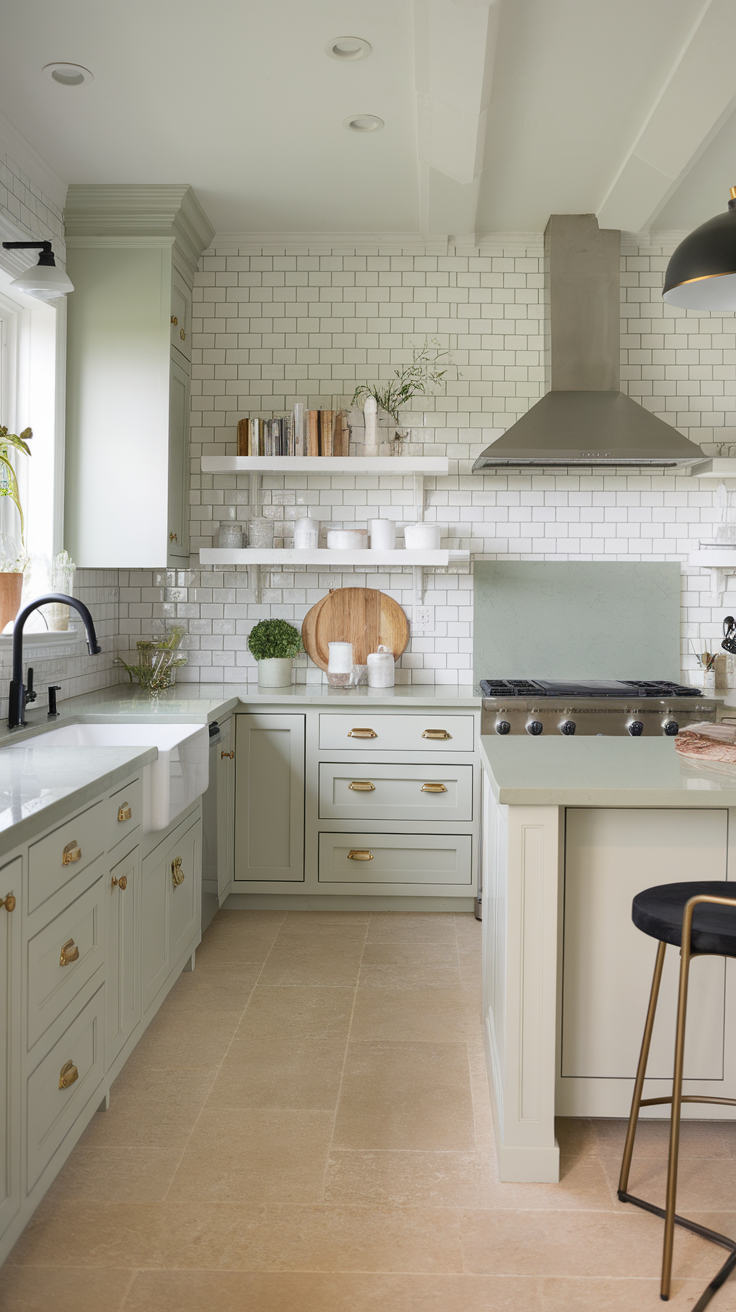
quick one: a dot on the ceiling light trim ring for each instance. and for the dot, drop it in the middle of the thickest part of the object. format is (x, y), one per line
(363, 123)
(68, 75)
(361, 49)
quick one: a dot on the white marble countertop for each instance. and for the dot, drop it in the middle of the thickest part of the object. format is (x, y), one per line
(601, 772)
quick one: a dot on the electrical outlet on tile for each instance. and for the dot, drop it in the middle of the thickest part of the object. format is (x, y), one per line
(423, 619)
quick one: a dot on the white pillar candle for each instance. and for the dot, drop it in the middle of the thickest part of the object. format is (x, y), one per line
(340, 659)
(381, 668)
(383, 534)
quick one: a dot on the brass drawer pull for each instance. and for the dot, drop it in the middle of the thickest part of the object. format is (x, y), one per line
(433, 788)
(68, 1075)
(72, 852)
(174, 320)
(227, 756)
(362, 786)
(173, 537)
(182, 334)
(69, 953)
(124, 812)
(8, 902)
(177, 874)
(356, 854)
(362, 733)
(436, 733)
(122, 882)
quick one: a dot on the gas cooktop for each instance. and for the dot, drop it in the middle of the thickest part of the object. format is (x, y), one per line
(623, 688)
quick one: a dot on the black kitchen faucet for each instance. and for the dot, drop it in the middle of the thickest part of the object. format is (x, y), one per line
(18, 692)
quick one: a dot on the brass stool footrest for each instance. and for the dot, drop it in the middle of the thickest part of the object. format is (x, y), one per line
(713, 1236)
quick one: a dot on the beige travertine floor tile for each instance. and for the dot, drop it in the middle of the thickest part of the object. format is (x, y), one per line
(267, 1156)
(150, 1108)
(243, 1237)
(392, 927)
(213, 986)
(326, 918)
(409, 977)
(277, 1072)
(697, 1138)
(184, 1040)
(429, 1179)
(241, 935)
(409, 1015)
(411, 952)
(34, 1289)
(307, 1291)
(405, 1095)
(322, 930)
(624, 1295)
(307, 959)
(702, 1183)
(297, 1013)
(577, 1136)
(114, 1174)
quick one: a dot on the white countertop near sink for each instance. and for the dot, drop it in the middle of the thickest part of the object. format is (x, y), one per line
(601, 772)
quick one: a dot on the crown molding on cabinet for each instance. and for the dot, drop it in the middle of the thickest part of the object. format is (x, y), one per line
(37, 169)
(97, 210)
(306, 243)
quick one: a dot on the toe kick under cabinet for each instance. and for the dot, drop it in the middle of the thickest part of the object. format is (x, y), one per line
(343, 802)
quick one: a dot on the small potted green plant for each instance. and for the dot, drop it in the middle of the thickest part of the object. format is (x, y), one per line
(274, 643)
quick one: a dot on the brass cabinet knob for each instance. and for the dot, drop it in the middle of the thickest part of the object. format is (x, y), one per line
(177, 874)
(122, 883)
(69, 953)
(433, 788)
(436, 733)
(8, 902)
(362, 786)
(173, 537)
(72, 852)
(355, 854)
(182, 334)
(174, 320)
(68, 1075)
(227, 756)
(362, 733)
(124, 812)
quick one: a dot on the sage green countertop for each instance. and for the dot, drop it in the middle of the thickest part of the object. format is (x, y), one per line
(600, 771)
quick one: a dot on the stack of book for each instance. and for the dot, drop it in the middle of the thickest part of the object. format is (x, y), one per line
(303, 433)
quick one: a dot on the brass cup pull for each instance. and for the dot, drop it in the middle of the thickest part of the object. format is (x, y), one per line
(72, 852)
(227, 756)
(356, 854)
(362, 733)
(69, 953)
(173, 537)
(433, 788)
(362, 786)
(182, 334)
(124, 812)
(8, 902)
(68, 1075)
(436, 733)
(122, 883)
(177, 874)
(174, 320)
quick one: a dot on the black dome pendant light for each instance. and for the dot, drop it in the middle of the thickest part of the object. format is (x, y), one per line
(701, 274)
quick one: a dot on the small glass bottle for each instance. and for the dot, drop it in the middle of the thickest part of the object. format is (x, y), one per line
(260, 532)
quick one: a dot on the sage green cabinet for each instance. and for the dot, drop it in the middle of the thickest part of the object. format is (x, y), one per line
(269, 799)
(123, 992)
(10, 1042)
(225, 823)
(171, 894)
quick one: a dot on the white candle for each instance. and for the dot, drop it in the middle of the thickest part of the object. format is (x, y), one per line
(340, 657)
(381, 668)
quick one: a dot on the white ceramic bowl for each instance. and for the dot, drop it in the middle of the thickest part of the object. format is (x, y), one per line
(347, 539)
(422, 537)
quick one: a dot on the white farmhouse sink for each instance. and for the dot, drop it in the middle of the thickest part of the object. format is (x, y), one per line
(171, 783)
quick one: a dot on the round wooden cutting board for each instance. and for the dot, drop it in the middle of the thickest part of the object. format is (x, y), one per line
(362, 616)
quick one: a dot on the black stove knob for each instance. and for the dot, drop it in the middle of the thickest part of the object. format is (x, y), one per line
(671, 727)
(635, 728)
(535, 727)
(502, 726)
(567, 727)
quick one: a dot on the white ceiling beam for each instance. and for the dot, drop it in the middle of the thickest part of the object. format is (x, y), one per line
(455, 46)
(696, 99)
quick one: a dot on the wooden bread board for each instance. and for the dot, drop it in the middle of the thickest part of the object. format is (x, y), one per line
(363, 616)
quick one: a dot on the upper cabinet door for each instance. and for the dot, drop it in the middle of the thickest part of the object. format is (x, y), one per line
(181, 315)
(178, 535)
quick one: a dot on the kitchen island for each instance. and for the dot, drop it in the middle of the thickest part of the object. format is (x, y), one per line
(573, 828)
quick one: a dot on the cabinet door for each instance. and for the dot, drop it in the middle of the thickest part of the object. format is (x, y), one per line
(269, 798)
(181, 315)
(155, 931)
(10, 1037)
(183, 876)
(225, 811)
(123, 992)
(178, 531)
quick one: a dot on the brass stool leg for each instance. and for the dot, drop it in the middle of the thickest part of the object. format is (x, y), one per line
(641, 1070)
(671, 1199)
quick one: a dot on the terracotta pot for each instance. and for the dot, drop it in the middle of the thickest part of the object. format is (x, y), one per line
(11, 586)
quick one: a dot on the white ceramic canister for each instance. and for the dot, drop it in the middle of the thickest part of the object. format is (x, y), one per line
(422, 537)
(347, 539)
(383, 534)
(340, 664)
(370, 414)
(306, 534)
(381, 668)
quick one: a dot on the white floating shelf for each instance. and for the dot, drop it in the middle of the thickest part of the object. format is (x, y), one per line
(718, 467)
(283, 557)
(325, 464)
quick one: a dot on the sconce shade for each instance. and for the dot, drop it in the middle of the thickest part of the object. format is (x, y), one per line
(701, 274)
(42, 280)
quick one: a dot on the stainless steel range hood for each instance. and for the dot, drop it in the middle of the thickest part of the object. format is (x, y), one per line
(584, 419)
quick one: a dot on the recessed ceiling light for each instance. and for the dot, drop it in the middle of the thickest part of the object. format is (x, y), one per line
(363, 123)
(68, 75)
(348, 48)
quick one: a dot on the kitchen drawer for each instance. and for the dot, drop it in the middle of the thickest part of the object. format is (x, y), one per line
(395, 859)
(54, 978)
(63, 856)
(396, 733)
(125, 809)
(396, 792)
(50, 1110)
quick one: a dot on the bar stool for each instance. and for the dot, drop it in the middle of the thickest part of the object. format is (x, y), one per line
(700, 919)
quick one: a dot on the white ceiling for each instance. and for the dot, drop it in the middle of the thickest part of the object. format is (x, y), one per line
(497, 112)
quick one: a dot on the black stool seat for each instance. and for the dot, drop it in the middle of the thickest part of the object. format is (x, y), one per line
(659, 911)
